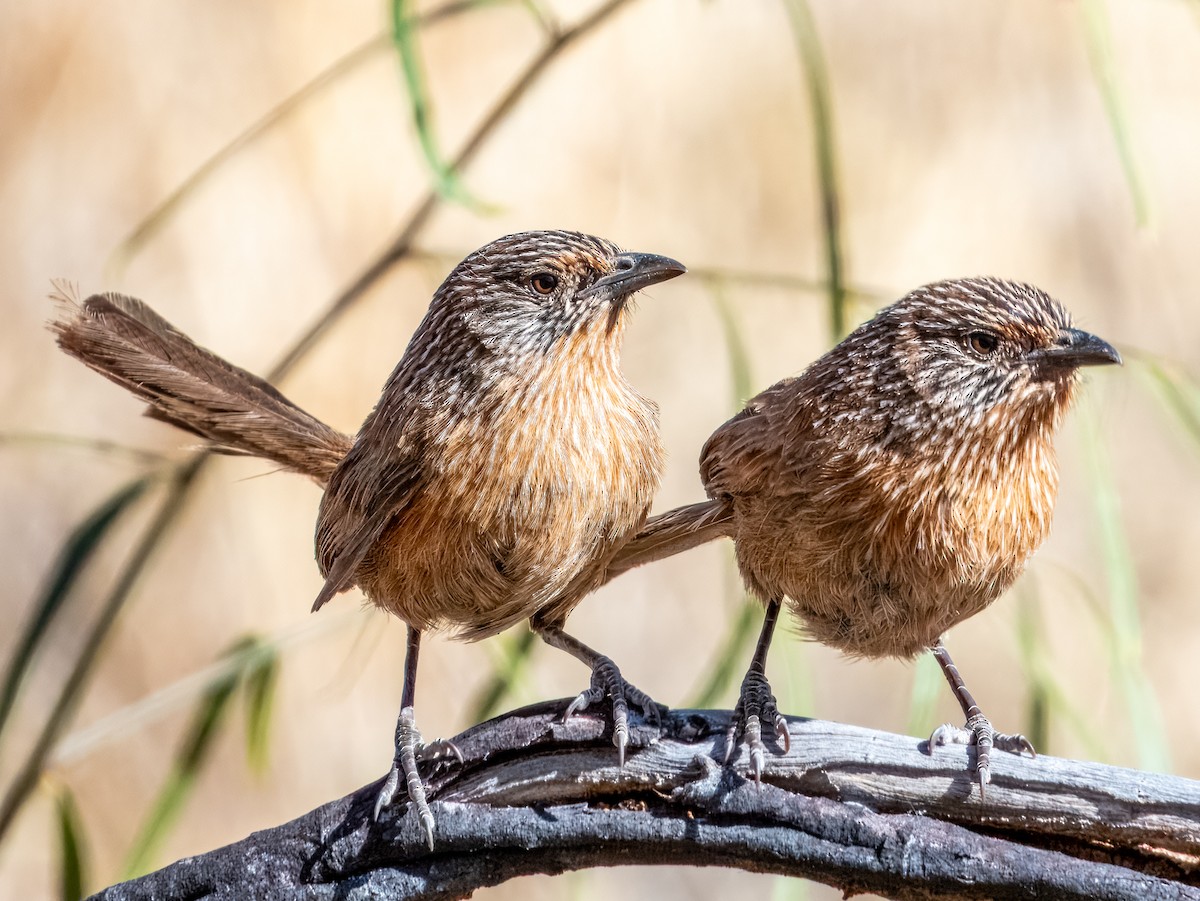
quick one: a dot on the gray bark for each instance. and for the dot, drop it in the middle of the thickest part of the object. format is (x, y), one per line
(851, 807)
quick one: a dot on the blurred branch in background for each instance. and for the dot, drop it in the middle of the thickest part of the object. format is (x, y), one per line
(157, 218)
(83, 443)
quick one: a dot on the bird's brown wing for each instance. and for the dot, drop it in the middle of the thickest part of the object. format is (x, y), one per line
(365, 495)
(745, 455)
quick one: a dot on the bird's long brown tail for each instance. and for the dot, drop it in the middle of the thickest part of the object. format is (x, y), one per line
(192, 388)
(673, 532)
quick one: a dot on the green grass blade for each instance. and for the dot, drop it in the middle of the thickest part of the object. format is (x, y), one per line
(789, 888)
(446, 179)
(812, 58)
(72, 872)
(167, 807)
(797, 696)
(1175, 389)
(922, 702)
(1125, 631)
(741, 379)
(515, 652)
(1031, 643)
(733, 657)
(210, 714)
(74, 555)
(262, 676)
(1097, 32)
(734, 654)
(1081, 722)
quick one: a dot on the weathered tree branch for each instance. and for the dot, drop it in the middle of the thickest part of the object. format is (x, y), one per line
(855, 808)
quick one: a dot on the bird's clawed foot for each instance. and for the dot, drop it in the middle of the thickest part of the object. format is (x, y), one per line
(979, 732)
(607, 682)
(409, 752)
(756, 704)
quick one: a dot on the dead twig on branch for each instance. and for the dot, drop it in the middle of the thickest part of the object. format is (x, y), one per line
(851, 807)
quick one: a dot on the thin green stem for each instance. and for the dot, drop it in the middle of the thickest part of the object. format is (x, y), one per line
(812, 58)
(1098, 34)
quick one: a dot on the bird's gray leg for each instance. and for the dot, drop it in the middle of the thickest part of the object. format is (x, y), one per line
(409, 748)
(978, 730)
(607, 682)
(756, 703)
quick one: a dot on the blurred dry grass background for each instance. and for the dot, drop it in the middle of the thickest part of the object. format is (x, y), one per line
(970, 139)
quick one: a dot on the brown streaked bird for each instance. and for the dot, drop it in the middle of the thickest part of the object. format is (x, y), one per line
(896, 487)
(506, 461)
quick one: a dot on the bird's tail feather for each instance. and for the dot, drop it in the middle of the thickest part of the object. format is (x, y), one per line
(673, 532)
(192, 388)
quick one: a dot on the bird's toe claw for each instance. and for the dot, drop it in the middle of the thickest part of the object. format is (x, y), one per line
(979, 732)
(409, 751)
(1017, 744)
(948, 734)
(607, 682)
(755, 705)
(439, 749)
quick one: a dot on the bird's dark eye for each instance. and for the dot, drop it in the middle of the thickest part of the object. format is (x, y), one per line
(543, 282)
(982, 343)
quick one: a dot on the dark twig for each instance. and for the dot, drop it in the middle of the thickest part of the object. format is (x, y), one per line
(858, 809)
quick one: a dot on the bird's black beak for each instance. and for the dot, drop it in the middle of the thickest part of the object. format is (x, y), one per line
(1074, 348)
(633, 271)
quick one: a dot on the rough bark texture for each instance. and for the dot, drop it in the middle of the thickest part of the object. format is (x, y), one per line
(854, 808)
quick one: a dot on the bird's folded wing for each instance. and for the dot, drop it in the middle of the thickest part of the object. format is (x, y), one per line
(743, 456)
(359, 505)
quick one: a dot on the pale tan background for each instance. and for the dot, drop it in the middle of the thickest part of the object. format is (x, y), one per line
(972, 140)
